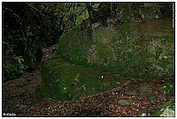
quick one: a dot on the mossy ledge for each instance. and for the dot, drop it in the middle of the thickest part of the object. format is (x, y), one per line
(66, 81)
(85, 63)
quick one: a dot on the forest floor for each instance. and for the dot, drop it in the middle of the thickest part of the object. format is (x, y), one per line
(130, 98)
(20, 98)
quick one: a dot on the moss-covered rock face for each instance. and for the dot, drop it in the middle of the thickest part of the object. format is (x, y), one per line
(131, 50)
(65, 81)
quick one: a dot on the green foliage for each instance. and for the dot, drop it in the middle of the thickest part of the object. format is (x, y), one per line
(82, 17)
(168, 104)
(96, 5)
(20, 62)
(84, 13)
(13, 70)
(152, 98)
(168, 88)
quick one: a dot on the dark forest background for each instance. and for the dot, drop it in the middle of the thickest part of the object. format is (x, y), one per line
(29, 27)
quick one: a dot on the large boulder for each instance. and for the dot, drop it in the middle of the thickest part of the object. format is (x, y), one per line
(132, 49)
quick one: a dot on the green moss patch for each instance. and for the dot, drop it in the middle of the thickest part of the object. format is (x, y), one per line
(65, 81)
(140, 50)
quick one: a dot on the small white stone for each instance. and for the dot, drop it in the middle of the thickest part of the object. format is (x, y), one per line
(143, 114)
